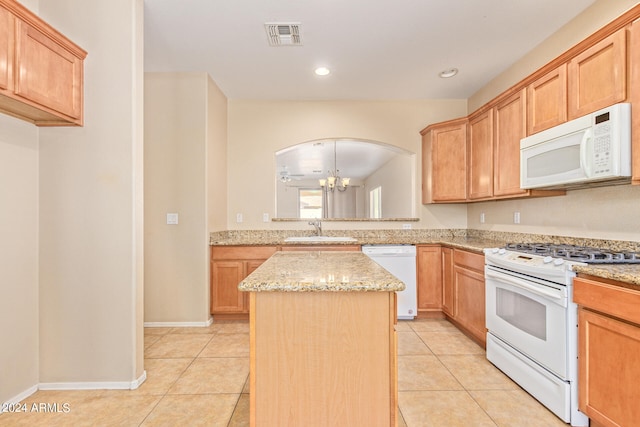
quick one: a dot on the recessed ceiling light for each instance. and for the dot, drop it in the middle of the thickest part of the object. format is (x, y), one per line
(322, 71)
(448, 73)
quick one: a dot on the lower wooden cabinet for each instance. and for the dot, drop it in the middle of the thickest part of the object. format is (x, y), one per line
(469, 294)
(608, 349)
(229, 265)
(429, 275)
(448, 305)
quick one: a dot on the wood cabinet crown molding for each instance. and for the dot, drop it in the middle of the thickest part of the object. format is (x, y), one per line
(41, 70)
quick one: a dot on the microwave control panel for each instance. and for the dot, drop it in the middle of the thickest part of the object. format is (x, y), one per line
(602, 160)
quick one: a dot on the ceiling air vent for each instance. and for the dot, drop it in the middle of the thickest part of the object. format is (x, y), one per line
(283, 33)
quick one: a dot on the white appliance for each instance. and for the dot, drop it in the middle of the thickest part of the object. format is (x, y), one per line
(595, 148)
(399, 260)
(532, 327)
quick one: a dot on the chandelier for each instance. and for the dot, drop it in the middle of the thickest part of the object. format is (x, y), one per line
(334, 180)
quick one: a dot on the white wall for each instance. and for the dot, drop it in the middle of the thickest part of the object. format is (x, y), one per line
(91, 275)
(257, 129)
(185, 120)
(18, 256)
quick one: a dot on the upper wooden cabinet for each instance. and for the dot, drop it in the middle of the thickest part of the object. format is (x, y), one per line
(547, 101)
(634, 97)
(510, 121)
(598, 76)
(480, 155)
(41, 71)
(444, 162)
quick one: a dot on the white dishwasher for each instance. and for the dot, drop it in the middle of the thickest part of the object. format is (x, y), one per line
(399, 260)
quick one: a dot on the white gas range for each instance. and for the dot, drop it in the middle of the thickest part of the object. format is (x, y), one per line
(532, 319)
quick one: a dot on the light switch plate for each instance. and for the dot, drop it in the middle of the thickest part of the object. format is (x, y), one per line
(172, 219)
(238, 217)
(265, 217)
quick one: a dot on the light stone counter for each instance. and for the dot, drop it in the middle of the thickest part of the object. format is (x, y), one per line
(320, 271)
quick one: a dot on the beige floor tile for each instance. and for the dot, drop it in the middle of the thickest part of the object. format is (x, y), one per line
(515, 408)
(437, 325)
(84, 408)
(454, 342)
(193, 330)
(177, 346)
(161, 375)
(193, 410)
(149, 340)
(410, 343)
(213, 375)
(231, 327)
(157, 331)
(227, 345)
(424, 372)
(442, 409)
(240, 417)
(401, 421)
(475, 372)
(245, 389)
(404, 325)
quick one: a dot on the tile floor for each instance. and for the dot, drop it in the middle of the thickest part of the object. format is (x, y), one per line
(198, 376)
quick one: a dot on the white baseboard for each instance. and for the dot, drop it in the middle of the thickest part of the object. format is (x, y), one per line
(209, 322)
(19, 397)
(99, 385)
(115, 385)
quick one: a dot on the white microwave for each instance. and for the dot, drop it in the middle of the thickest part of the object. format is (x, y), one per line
(591, 150)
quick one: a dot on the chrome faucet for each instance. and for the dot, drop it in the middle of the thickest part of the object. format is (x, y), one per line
(318, 226)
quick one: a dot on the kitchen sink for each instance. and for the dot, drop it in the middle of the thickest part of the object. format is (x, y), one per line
(320, 239)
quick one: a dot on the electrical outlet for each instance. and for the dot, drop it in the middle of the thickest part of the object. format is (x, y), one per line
(265, 217)
(172, 219)
(516, 217)
(238, 217)
(482, 218)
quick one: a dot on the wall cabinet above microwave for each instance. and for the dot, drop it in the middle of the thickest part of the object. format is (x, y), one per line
(41, 71)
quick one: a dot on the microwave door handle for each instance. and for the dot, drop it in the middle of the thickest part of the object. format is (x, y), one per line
(523, 284)
(584, 164)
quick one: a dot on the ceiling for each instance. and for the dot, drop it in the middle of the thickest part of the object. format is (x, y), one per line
(375, 49)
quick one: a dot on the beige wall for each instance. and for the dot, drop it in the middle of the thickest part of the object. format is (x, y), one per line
(257, 129)
(18, 256)
(185, 173)
(91, 275)
(609, 213)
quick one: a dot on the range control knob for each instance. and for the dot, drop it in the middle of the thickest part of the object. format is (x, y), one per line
(547, 259)
(502, 251)
(558, 261)
(494, 250)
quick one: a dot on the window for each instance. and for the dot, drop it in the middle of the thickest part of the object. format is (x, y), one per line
(310, 202)
(375, 203)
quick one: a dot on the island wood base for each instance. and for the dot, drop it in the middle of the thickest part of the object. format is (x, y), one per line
(323, 359)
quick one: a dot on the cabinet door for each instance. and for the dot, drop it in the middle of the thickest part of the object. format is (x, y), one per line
(448, 305)
(225, 296)
(547, 101)
(47, 73)
(480, 155)
(6, 49)
(429, 278)
(470, 301)
(609, 369)
(597, 77)
(444, 163)
(510, 127)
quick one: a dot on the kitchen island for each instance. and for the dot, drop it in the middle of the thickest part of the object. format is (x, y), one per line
(322, 341)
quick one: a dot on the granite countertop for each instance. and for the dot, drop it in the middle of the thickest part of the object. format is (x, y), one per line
(320, 271)
(469, 240)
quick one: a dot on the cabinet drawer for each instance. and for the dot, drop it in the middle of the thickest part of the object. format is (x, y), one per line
(468, 259)
(242, 252)
(607, 298)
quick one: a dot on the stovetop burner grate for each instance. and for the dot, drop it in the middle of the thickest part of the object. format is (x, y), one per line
(584, 254)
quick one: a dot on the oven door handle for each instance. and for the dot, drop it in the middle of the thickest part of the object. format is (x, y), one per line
(523, 284)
